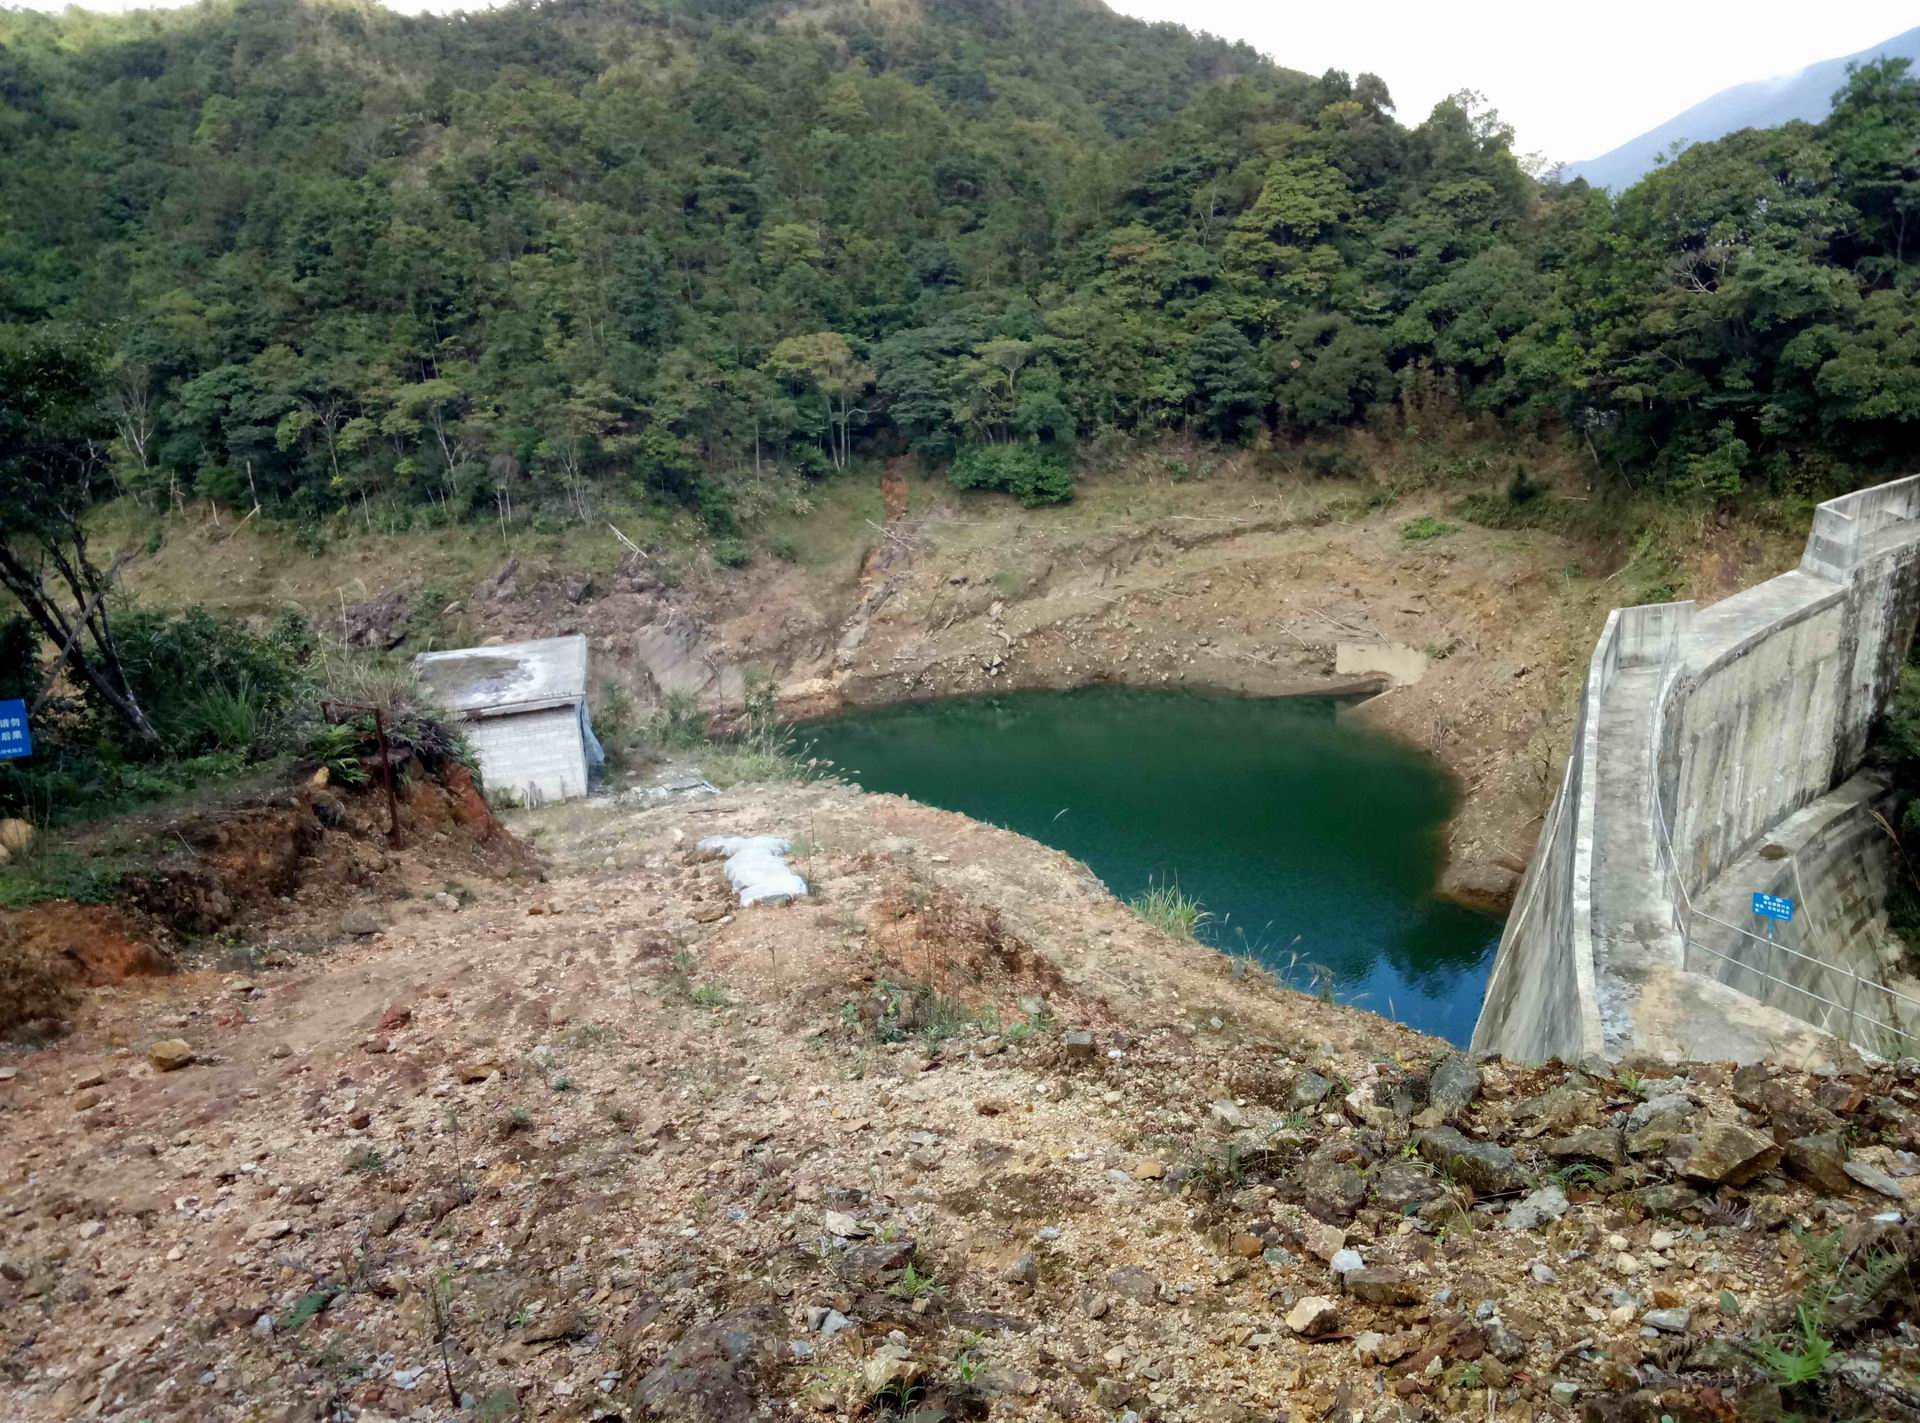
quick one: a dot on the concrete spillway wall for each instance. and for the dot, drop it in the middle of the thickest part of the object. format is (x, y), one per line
(1698, 734)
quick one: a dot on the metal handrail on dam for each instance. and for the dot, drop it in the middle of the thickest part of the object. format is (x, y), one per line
(1700, 737)
(1843, 532)
(1674, 886)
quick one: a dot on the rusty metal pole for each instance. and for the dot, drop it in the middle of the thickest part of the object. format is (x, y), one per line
(386, 771)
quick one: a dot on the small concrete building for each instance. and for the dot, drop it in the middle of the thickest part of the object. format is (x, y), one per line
(523, 706)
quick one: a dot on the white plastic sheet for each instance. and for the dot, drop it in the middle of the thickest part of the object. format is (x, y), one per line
(757, 867)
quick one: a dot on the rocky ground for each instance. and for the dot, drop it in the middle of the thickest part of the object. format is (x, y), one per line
(956, 1136)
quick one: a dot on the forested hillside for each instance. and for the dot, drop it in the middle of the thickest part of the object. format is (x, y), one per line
(423, 267)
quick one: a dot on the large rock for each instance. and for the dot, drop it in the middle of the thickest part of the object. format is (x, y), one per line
(362, 922)
(1230, 1115)
(1454, 1084)
(170, 1054)
(1310, 1091)
(1820, 1161)
(874, 1263)
(1332, 1190)
(890, 1369)
(1548, 1203)
(1402, 1185)
(1602, 1144)
(1728, 1154)
(501, 584)
(1314, 1316)
(1788, 1109)
(1874, 1179)
(1560, 1110)
(380, 624)
(1381, 1285)
(1491, 1170)
(1668, 1198)
(1659, 1105)
(1657, 1135)
(1134, 1283)
(713, 1375)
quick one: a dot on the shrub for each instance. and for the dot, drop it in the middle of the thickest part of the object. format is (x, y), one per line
(19, 658)
(679, 722)
(1522, 488)
(1425, 527)
(1031, 473)
(208, 683)
(731, 553)
(226, 718)
(716, 508)
(338, 750)
(414, 719)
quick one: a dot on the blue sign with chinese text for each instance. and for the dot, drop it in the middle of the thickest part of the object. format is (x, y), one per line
(15, 740)
(1773, 906)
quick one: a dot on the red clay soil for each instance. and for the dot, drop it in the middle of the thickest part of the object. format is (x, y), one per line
(96, 939)
(296, 855)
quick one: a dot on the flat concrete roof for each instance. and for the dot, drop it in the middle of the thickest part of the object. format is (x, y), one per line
(515, 676)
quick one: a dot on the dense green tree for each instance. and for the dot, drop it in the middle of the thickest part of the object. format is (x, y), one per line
(52, 447)
(342, 258)
(1229, 381)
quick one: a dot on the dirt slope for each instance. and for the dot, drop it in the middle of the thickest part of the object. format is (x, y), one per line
(955, 1137)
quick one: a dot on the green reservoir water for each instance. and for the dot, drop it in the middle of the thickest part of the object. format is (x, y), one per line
(1311, 842)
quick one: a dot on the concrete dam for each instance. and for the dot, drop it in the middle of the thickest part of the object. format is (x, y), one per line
(1719, 753)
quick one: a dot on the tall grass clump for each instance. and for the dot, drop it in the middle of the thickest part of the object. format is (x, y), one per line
(1169, 908)
(228, 717)
(679, 723)
(762, 747)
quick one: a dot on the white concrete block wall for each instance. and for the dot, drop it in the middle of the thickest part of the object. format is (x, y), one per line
(535, 756)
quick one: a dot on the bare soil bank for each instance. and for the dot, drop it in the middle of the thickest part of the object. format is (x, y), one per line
(902, 589)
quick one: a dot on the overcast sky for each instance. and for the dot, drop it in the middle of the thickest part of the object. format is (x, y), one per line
(1574, 81)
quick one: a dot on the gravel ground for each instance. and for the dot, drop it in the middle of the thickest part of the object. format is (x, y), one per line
(955, 1136)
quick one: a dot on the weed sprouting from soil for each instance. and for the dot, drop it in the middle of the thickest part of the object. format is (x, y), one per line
(1170, 909)
(1425, 527)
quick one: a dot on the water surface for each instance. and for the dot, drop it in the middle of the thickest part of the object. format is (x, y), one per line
(1312, 842)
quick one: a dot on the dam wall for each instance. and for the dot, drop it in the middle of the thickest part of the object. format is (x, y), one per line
(1700, 734)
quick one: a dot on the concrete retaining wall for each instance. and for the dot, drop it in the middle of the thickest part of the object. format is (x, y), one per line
(1540, 996)
(1761, 705)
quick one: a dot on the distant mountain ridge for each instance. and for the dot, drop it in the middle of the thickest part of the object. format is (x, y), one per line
(1804, 94)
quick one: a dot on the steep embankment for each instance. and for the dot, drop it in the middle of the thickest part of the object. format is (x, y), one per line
(956, 1134)
(125, 897)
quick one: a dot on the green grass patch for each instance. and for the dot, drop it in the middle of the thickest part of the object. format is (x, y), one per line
(59, 874)
(1424, 527)
(1169, 908)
